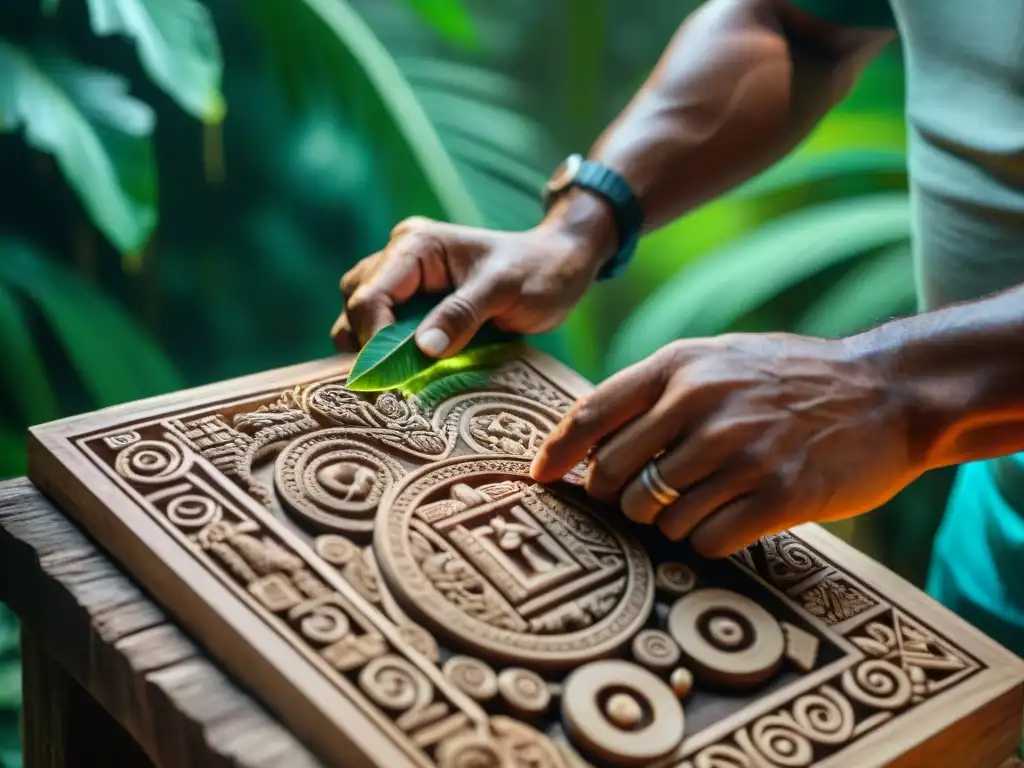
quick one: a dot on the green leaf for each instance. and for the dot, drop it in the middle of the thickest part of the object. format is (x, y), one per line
(449, 386)
(177, 44)
(10, 683)
(391, 358)
(449, 18)
(115, 359)
(871, 293)
(98, 134)
(801, 170)
(713, 293)
(446, 136)
(22, 374)
(10, 739)
(13, 463)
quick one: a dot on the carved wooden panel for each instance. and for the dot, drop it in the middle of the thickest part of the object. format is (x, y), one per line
(389, 580)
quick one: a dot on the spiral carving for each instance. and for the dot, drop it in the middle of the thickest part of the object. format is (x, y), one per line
(192, 511)
(395, 685)
(674, 579)
(325, 624)
(524, 692)
(723, 756)
(781, 742)
(878, 683)
(471, 676)
(656, 650)
(151, 461)
(826, 716)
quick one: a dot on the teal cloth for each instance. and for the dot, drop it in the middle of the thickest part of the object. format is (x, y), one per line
(976, 569)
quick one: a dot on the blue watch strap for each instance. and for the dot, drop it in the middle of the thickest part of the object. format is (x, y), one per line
(628, 214)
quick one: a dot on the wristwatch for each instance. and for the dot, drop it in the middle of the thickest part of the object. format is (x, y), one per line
(602, 180)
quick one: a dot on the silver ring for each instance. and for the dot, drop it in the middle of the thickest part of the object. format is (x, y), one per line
(655, 484)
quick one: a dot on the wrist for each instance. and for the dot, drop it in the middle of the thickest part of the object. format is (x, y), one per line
(928, 396)
(586, 220)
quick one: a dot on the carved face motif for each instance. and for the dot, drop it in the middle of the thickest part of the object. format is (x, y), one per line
(506, 568)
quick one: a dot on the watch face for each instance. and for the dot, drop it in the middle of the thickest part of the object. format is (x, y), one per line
(564, 174)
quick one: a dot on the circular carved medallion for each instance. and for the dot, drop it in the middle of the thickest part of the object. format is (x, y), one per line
(621, 713)
(506, 569)
(333, 482)
(729, 638)
(504, 424)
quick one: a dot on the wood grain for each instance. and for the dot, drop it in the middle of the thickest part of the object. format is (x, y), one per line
(335, 550)
(100, 636)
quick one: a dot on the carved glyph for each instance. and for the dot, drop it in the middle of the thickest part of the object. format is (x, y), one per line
(502, 567)
(484, 620)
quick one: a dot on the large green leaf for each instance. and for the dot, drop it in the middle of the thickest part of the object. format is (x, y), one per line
(98, 134)
(872, 292)
(311, 39)
(804, 169)
(22, 375)
(177, 44)
(391, 358)
(13, 459)
(706, 298)
(116, 361)
(449, 18)
(446, 141)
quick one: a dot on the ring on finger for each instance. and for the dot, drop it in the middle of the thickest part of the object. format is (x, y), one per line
(662, 492)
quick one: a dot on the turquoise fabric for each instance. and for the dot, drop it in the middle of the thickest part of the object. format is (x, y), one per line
(976, 568)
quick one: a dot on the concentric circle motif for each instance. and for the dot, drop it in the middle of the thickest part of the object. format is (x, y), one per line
(620, 713)
(151, 461)
(334, 483)
(727, 638)
(505, 569)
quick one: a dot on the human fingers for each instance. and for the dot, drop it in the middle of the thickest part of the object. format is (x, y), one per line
(615, 402)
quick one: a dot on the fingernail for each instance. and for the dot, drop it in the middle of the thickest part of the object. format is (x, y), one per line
(433, 341)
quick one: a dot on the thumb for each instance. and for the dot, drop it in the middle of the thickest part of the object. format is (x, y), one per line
(453, 323)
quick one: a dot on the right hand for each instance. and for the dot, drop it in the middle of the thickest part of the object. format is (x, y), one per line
(524, 282)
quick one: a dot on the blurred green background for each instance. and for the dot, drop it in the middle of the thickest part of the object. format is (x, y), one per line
(183, 184)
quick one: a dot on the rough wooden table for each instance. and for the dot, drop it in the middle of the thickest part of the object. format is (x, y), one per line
(109, 679)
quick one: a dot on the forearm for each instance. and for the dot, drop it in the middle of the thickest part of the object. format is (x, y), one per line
(740, 85)
(960, 371)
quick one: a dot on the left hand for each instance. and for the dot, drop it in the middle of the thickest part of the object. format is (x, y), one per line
(759, 433)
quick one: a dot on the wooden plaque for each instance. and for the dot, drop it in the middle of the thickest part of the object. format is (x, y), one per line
(386, 577)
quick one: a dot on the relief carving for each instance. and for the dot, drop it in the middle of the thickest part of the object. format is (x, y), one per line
(334, 483)
(391, 420)
(502, 567)
(834, 600)
(457, 601)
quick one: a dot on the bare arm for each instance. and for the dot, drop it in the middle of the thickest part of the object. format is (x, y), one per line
(961, 372)
(741, 84)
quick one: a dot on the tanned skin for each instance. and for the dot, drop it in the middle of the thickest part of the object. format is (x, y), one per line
(759, 432)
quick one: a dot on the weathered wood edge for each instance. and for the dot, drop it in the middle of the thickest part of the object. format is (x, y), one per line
(122, 648)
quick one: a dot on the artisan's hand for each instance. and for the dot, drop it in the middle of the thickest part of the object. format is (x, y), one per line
(760, 432)
(525, 282)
